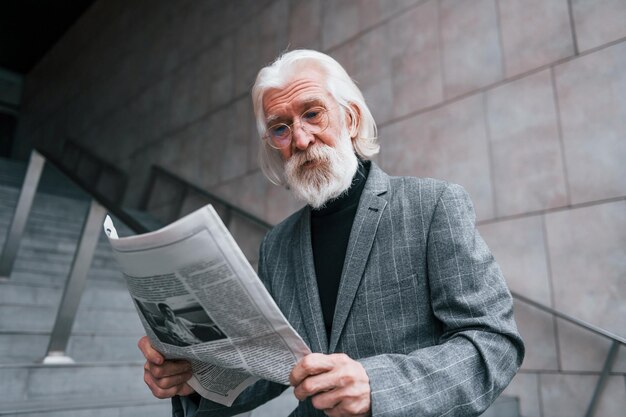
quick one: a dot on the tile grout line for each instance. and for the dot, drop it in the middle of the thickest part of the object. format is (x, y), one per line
(557, 343)
(559, 125)
(494, 206)
(552, 210)
(440, 53)
(500, 41)
(572, 24)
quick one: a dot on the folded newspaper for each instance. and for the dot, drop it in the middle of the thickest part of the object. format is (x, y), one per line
(199, 299)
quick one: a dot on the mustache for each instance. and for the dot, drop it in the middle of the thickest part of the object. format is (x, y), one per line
(319, 152)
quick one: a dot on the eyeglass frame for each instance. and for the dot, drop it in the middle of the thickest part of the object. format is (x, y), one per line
(303, 125)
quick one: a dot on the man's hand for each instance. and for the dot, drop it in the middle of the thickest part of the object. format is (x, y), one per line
(164, 378)
(338, 385)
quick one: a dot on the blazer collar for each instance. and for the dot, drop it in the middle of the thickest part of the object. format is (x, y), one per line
(369, 212)
(366, 220)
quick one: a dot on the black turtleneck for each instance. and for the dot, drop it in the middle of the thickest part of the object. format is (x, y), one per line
(330, 232)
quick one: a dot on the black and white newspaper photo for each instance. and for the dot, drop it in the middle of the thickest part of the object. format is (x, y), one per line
(199, 299)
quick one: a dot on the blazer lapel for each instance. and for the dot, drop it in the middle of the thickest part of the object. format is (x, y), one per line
(306, 284)
(362, 236)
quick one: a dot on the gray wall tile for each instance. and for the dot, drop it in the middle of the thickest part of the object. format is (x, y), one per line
(569, 395)
(305, 24)
(471, 46)
(248, 192)
(519, 247)
(340, 22)
(368, 61)
(233, 139)
(587, 251)
(280, 204)
(537, 330)
(534, 33)
(591, 92)
(448, 143)
(566, 395)
(598, 22)
(527, 163)
(415, 60)
(582, 350)
(248, 236)
(259, 42)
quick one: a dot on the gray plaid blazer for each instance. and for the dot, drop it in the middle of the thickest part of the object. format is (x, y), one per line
(422, 304)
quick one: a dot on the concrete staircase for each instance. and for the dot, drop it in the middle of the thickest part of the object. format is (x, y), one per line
(107, 379)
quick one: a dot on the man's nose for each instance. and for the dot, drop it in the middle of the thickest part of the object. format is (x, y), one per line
(300, 138)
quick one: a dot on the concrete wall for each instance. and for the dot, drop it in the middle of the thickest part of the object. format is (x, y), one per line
(523, 102)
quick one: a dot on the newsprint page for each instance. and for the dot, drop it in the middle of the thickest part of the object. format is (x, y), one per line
(199, 299)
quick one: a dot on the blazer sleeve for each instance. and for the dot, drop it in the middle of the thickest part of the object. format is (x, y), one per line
(479, 350)
(251, 398)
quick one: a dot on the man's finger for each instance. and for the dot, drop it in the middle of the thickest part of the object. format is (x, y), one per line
(315, 384)
(169, 368)
(173, 381)
(341, 401)
(157, 391)
(311, 364)
(151, 354)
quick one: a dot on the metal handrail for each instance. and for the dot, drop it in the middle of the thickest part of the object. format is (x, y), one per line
(580, 323)
(104, 200)
(229, 206)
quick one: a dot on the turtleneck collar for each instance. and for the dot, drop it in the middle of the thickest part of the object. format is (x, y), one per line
(350, 197)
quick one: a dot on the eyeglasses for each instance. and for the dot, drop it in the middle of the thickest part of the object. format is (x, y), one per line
(313, 121)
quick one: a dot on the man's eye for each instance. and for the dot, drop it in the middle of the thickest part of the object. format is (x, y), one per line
(312, 115)
(280, 130)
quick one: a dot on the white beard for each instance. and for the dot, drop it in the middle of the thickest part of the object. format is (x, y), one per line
(332, 175)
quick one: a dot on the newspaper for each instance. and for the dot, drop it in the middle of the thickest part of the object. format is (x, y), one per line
(200, 300)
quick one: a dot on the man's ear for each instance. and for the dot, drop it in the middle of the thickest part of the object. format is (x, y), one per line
(353, 120)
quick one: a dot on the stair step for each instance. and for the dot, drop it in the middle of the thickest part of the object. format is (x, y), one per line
(37, 277)
(108, 377)
(34, 382)
(93, 296)
(31, 348)
(25, 385)
(41, 319)
(92, 407)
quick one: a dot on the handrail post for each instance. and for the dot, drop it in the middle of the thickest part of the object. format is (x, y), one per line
(74, 286)
(22, 210)
(608, 365)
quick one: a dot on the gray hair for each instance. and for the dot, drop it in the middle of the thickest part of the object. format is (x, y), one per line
(341, 87)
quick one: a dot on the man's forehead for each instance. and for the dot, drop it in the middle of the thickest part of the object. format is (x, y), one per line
(304, 89)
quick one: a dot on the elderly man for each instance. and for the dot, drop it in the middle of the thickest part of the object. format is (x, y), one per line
(385, 278)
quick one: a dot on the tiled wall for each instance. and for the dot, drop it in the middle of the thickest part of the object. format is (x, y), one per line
(523, 102)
